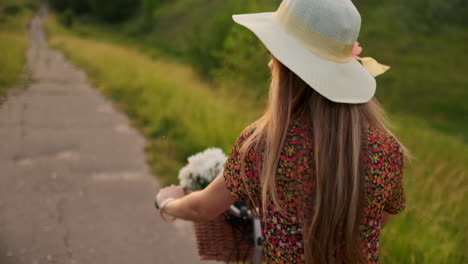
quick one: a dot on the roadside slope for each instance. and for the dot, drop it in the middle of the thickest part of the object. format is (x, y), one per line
(14, 18)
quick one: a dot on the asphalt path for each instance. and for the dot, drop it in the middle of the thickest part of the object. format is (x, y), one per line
(74, 183)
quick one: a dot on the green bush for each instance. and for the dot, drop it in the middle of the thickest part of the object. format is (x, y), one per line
(428, 16)
(243, 64)
(198, 37)
(411, 36)
(32, 5)
(447, 11)
(147, 10)
(206, 39)
(11, 9)
(14, 17)
(105, 10)
(77, 6)
(113, 10)
(67, 18)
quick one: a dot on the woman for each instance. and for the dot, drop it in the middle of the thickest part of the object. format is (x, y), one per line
(320, 163)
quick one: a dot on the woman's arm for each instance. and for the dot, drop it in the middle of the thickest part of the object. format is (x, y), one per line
(202, 205)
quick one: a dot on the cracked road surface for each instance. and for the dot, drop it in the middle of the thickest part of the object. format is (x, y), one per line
(74, 184)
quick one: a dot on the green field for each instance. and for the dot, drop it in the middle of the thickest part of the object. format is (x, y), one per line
(14, 17)
(168, 101)
(423, 40)
(181, 114)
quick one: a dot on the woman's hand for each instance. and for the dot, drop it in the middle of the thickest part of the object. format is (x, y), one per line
(171, 192)
(202, 205)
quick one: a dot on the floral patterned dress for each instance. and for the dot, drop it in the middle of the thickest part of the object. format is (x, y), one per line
(282, 231)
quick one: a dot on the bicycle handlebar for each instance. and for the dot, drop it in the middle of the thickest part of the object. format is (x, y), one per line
(243, 212)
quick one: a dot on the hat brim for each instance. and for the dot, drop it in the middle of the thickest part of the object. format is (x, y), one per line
(339, 82)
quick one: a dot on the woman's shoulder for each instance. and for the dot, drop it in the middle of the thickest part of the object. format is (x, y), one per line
(383, 141)
(246, 133)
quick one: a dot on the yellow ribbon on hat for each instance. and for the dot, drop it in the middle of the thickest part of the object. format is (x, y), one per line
(373, 66)
(369, 63)
(322, 45)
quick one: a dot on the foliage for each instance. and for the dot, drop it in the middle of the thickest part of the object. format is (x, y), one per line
(11, 9)
(113, 10)
(422, 49)
(77, 6)
(427, 14)
(13, 40)
(434, 13)
(105, 10)
(147, 9)
(427, 78)
(160, 96)
(14, 8)
(197, 37)
(243, 68)
(12, 51)
(67, 18)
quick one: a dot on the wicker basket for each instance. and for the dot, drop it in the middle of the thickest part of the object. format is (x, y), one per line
(223, 240)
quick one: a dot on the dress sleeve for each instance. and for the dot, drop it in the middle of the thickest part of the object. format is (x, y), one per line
(241, 188)
(395, 201)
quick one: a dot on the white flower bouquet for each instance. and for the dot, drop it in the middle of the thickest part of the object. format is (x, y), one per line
(202, 169)
(217, 238)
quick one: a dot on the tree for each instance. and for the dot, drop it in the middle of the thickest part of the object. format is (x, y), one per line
(147, 9)
(113, 10)
(77, 6)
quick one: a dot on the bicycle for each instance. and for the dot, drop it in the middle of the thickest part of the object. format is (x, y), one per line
(240, 213)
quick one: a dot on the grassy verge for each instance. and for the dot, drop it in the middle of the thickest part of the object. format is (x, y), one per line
(168, 102)
(14, 17)
(423, 46)
(428, 76)
(433, 228)
(181, 115)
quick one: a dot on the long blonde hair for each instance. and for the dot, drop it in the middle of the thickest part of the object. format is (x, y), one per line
(332, 234)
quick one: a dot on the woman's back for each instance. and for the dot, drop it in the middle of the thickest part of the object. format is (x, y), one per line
(326, 180)
(295, 180)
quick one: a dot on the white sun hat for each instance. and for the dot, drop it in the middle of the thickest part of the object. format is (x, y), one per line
(316, 39)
